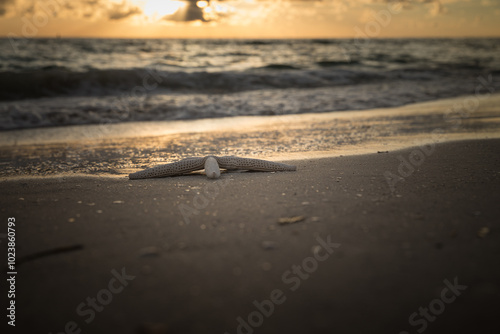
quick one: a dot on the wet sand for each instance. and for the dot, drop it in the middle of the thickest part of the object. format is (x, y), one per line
(202, 251)
(119, 149)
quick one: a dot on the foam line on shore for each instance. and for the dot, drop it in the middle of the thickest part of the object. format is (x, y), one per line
(93, 133)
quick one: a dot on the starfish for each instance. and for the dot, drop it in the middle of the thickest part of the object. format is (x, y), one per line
(212, 165)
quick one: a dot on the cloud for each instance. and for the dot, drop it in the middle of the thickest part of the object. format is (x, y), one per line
(233, 11)
(212, 10)
(435, 6)
(3, 6)
(190, 12)
(74, 9)
(121, 11)
(219, 10)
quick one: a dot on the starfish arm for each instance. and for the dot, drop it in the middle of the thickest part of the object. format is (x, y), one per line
(253, 164)
(176, 168)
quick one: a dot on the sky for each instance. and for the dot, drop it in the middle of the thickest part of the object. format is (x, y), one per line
(249, 18)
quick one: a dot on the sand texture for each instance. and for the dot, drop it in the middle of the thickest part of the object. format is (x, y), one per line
(202, 251)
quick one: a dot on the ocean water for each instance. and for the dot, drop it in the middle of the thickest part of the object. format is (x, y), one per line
(59, 82)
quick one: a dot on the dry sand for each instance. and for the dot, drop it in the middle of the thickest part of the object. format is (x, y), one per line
(202, 251)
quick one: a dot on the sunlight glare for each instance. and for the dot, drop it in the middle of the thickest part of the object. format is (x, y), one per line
(202, 4)
(162, 7)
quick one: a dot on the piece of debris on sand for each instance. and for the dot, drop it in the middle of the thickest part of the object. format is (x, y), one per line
(483, 232)
(290, 220)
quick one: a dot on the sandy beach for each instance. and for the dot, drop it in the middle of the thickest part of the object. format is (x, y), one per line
(377, 233)
(198, 268)
(250, 167)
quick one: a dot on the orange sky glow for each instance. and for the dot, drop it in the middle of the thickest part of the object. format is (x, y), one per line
(249, 18)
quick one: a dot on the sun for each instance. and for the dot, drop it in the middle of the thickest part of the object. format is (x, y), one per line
(160, 8)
